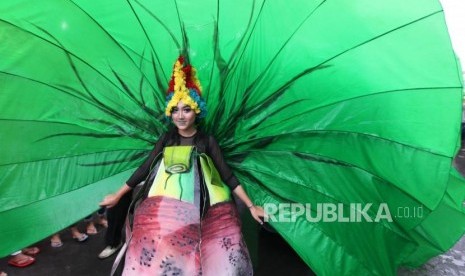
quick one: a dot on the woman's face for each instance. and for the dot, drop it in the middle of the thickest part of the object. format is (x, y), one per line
(184, 118)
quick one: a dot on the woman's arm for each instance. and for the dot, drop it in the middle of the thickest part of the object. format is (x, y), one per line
(227, 176)
(138, 176)
(141, 173)
(257, 212)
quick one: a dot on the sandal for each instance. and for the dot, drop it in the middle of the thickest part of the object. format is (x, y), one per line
(21, 260)
(82, 238)
(102, 221)
(56, 244)
(31, 251)
(91, 230)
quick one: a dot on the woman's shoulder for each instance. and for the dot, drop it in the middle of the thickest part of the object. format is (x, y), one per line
(204, 141)
(209, 138)
(202, 137)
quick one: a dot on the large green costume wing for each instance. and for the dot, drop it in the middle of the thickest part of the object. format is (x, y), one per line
(349, 102)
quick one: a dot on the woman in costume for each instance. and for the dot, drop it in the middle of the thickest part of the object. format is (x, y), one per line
(188, 223)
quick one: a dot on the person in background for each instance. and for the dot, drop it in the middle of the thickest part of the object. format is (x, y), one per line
(116, 217)
(23, 258)
(55, 240)
(101, 220)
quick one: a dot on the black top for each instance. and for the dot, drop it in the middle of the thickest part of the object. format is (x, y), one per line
(203, 143)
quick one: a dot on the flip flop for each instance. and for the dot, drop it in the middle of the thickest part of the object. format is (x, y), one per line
(91, 230)
(82, 238)
(31, 251)
(103, 222)
(21, 260)
(56, 244)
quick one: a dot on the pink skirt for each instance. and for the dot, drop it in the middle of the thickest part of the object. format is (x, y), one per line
(169, 238)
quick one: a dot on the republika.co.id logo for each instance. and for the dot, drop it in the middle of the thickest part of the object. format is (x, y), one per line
(332, 212)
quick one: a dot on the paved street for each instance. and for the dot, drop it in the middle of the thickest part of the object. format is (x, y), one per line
(451, 263)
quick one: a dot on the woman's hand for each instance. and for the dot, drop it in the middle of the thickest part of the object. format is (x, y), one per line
(113, 199)
(109, 201)
(257, 213)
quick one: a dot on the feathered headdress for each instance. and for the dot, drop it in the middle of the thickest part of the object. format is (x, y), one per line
(185, 86)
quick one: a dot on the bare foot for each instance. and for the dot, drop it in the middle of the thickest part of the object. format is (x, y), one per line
(31, 251)
(102, 221)
(78, 236)
(21, 260)
(91, 230)
(55, 241)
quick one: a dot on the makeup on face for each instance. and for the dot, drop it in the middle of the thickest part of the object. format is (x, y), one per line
(184, 119)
